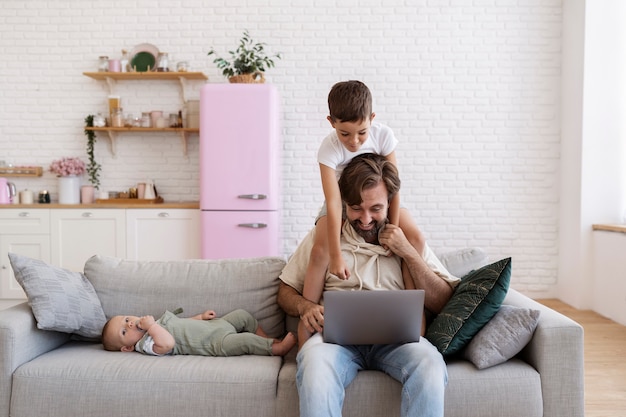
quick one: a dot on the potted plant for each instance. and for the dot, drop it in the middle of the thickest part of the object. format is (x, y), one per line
(93, 168)
(68, 171)
(247, 63)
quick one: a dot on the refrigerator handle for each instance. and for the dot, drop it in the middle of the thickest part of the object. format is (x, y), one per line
(253, 225)
(252, 196)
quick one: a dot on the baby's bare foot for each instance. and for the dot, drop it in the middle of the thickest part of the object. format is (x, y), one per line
(282, 347)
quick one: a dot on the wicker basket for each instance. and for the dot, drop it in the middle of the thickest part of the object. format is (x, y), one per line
(251, 78)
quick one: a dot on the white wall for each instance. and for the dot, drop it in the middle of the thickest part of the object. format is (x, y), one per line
(472, 90)
(593, 141)
(609, 272)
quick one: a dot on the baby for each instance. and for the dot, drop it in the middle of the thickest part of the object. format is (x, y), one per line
(236, 333)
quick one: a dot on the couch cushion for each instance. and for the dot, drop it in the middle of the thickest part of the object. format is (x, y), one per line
(81, 379)
(461, 262)
(61, 300)
(511, 389)
(151, 287)
(474, 302)
(503, 337)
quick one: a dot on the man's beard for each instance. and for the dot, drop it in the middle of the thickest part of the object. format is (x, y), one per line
(370, 236)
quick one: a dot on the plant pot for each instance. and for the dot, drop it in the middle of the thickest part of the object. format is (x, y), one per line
(251, 78)
(69, 190)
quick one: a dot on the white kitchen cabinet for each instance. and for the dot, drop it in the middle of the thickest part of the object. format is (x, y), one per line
(67, 237)
(162, 234)
(25, 232)
(78, 234)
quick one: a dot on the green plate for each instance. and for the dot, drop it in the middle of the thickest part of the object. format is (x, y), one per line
(142, 61)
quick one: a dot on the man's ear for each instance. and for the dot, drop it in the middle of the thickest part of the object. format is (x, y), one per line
(330, 120)
(127, 348)
(372, 116)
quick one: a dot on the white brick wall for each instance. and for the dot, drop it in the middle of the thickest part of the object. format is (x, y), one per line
(471, 89)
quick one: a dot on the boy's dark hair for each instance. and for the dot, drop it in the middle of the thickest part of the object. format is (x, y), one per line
(350, 101)
(366, 171)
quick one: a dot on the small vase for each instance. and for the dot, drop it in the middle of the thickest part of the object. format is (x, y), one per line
(87, 193)
(69, 190)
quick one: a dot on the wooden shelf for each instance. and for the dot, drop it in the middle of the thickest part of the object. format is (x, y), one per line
(111, 79)
(114, 131)
(144, 129)
(21, 171)
(620, 228)
(148, 75)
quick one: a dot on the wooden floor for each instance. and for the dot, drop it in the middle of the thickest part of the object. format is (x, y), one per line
(605, 361)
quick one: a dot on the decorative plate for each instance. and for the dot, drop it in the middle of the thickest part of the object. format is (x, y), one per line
(143, 57)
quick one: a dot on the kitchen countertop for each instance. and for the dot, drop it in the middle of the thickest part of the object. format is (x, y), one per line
(108, 205)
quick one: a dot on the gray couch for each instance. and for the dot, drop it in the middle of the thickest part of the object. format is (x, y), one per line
(51, 373)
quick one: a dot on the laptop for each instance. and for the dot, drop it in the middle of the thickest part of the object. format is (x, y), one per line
(373, 317)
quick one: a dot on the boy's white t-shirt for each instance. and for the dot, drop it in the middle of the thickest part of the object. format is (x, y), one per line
(334, 155)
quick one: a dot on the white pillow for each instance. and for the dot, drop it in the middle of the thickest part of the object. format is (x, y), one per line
(462, 261)
(61, 300)
(503, 337)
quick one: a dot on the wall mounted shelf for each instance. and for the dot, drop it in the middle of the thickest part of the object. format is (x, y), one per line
(114, 131)
(111, 79)
(181, 77)
(15, 171)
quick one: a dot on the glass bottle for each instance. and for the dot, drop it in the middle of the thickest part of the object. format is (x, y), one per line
(103, 63)
(163, 62)
(117, 117)
(99, 120)
(182, 66)
(124, 60)
(146, 121)
(174, 120)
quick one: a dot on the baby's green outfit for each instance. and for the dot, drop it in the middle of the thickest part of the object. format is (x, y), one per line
(230, 335)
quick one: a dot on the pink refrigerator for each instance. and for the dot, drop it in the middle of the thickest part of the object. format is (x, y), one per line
(239, 170)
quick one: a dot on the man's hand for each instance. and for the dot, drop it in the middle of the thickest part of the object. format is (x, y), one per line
(393, 238)
(312, 316)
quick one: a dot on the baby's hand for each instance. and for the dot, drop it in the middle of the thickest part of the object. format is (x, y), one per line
(146, 322)
(208, 315)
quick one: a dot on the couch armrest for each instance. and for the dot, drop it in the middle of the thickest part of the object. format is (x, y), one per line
(556, 351)
(20, 342)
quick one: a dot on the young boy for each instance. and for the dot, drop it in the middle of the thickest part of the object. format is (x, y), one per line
(237, 333)
(354, 133)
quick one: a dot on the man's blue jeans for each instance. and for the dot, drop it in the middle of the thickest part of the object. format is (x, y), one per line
(326, 369)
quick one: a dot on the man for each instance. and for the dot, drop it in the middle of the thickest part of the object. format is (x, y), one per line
(367, 185)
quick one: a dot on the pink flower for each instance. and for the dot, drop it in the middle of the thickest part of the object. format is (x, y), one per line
(65, 167)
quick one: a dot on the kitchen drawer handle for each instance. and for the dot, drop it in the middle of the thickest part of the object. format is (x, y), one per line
(163, 214)
(87, 214)
(24, 214)
(253, 225)
(253, 196)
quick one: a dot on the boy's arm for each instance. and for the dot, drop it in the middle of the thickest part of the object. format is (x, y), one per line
(334, 210)
(394, 204)
(163, 340)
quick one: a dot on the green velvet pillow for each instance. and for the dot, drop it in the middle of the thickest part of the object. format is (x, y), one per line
(475, 301)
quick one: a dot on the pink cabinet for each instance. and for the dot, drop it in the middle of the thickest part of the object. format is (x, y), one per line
(239, 170)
